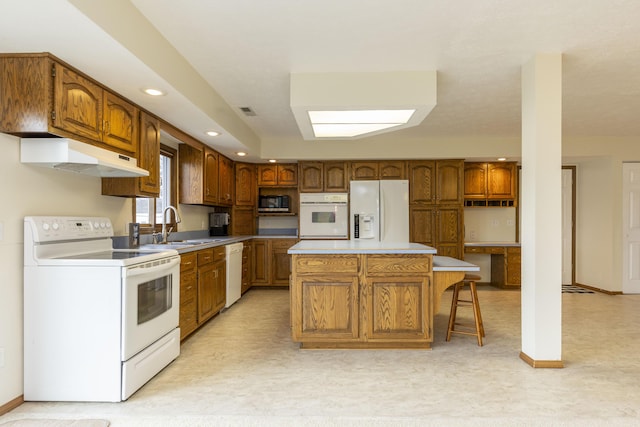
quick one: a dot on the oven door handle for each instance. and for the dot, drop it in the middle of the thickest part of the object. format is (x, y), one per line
(152, 267)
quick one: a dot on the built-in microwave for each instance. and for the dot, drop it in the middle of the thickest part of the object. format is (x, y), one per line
(278, 203)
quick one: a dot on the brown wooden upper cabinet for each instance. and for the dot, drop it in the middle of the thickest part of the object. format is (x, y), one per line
(40, 94)
(245, 185)
(283, 175)
(149, 159)
(199, 176)
(383, 169)
(436, 181)
(226, 183)
(489, 181)
(330, 177)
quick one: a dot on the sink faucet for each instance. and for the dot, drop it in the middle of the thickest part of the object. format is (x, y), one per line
(165, 232)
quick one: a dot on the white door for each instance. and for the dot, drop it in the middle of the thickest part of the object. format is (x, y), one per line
(631, 228)
(567, 226)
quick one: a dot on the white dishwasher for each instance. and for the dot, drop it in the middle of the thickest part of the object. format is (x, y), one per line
(234, 272)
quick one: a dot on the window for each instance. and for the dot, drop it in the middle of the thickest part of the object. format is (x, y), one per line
(148, 211)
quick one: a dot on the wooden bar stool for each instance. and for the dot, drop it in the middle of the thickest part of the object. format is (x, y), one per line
(476, 330)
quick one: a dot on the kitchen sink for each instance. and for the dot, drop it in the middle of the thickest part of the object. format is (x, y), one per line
(169, 245)
(200, 241)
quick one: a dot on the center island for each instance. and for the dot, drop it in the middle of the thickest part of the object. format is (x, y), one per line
(354, 294)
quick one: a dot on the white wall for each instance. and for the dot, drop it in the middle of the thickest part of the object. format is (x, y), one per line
(32, 190)
(598, 223)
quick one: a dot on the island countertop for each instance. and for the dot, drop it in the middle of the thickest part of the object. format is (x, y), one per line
(358, 247)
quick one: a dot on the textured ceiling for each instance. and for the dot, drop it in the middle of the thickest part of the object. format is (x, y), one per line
(246, 49)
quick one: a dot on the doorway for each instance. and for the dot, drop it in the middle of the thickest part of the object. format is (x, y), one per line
(631, 228)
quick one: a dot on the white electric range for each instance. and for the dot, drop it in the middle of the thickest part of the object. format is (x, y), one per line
(98, 322)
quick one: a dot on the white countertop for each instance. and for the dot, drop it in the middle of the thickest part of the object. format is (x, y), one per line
(445, 263)
(479, 244)
(358, 247)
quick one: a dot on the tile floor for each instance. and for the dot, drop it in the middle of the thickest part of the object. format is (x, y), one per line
(241, 369)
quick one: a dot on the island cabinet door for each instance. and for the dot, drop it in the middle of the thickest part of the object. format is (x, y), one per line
(397, 308)
(328, 309)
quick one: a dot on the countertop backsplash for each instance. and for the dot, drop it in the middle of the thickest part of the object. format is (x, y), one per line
(490, 224)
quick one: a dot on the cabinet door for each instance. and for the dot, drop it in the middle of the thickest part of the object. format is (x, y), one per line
(206, 291)
(398, 308)
(449, 241)
(243, 221)
(336, 177)
(325, 307)
(78, 104)
(149, 154)
(513, 267)
(422, 181)
(188, 301)
(281, 261)
(191, 168)
(219, 286)
(267, 175)
(120, 123)
(501, 183)
(449, 181)
(245, 185)
(225, 180)
(246, 265)
(311, 177)
(210, 176)
(475, 180)
(393, 169)
(288, 175)
(260, 275)
(422, 225)
(364, 170)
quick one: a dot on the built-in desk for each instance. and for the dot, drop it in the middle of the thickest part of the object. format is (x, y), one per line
(505, 261)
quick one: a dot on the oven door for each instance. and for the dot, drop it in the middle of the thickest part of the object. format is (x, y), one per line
(150, 303)
(324, 221)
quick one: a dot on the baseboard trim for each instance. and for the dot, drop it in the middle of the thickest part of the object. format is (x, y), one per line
(603, 291)
(541, 363)
(11, 405)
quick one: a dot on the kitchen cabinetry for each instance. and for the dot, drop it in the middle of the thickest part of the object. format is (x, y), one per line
(271, 263)
(505, 263)
(246, 265)
(211, 282)
(362, 300)
(283, 175)
(383, 169)
(437, 226)
(435, 205)
(149, 159)
(243, 221)
(188, 294)
(206, 177)
(226, 182)
(42, 95)
(245, 182)
(490, 184)
(329, 177)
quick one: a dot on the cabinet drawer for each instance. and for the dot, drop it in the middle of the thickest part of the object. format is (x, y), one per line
(484, 249)
(398, 264)
(282, 244)
(219, 253)
(187, 262)
(188, 290)
(333, 264)
(205, 256)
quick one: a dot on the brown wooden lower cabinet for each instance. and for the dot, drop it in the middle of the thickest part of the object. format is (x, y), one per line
(362, 300)
(505, 264)
(203, 287)
(271, 263)
(439, 227)
(247, 257)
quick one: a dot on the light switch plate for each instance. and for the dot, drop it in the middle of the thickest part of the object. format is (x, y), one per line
(1, 231)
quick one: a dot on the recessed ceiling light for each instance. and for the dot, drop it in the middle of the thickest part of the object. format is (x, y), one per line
(153, 92)
(502, 159)
(349, 123)
(272, 161)
(212, 133)
(241, 153)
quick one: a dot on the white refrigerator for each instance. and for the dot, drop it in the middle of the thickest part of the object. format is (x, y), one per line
(379, 210)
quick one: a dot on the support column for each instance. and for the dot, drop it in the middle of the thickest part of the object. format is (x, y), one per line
(541, 209)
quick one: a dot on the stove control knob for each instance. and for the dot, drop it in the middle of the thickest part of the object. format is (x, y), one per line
(96, 225)
(55, 226)
(45, 226)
